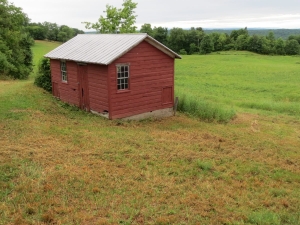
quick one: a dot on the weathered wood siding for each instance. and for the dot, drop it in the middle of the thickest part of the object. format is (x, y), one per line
(68, 91)
(98, 91)
(150, 71)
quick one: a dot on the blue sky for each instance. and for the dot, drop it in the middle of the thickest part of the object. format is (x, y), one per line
(172, 13)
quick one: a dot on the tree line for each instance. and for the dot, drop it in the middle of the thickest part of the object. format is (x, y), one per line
(278, 33)
(197, 41)
(52, 31)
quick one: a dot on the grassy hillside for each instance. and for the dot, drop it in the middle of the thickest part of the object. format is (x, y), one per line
(59, 165)
(39, 49)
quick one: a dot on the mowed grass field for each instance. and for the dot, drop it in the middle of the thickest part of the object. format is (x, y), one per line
(60, 165)
(242, 81)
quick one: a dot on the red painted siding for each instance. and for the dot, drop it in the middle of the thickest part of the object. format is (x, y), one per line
(97, 84)
(98, 91)
(150, 72)
(68, 91)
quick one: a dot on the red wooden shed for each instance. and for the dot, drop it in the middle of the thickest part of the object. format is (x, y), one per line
(115, 75)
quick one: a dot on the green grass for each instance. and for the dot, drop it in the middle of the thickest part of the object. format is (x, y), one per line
(39, 49)
(241, 81)
(61, 165)
(205, 110)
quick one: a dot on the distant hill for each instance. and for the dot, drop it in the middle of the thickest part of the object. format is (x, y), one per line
(279, 33)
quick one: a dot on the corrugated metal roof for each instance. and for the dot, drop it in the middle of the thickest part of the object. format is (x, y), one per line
(103, 48)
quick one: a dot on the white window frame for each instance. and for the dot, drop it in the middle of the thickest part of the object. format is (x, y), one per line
(63, 70)
(123, 76)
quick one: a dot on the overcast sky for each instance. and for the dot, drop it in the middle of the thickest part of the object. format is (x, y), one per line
(172, 13)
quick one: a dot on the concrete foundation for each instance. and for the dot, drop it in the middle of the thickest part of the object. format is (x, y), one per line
(161, 113)
(105, 115)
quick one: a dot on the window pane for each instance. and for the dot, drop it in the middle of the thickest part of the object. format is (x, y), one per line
(63, 69)
(122, 77)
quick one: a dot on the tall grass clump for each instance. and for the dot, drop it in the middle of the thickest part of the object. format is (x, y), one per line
(203, 109)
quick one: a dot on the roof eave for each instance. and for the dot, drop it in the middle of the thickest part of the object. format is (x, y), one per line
(77, 61)
(162, 47)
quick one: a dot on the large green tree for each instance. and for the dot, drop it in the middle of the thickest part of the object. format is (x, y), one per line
(193, 39)
(206, 45)
(37, 31)
(15, 42)
(177, 39)
(147, 28)
(294, 37)
(161, 34)
(65, 33)
(120, 20)
(280, 47)
(241, 42)
(52, 30)
(292, 47)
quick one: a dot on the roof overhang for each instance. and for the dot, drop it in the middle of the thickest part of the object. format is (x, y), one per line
(162, 47)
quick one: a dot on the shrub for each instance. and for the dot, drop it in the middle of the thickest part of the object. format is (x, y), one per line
(43, 78)
(204, 110)
(183, 52)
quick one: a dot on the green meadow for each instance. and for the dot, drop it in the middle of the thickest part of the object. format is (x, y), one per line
(241, 81)
(39, 49)
(61, 165)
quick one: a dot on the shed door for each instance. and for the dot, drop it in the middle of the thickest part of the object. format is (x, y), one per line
(167, 95)
(83, 87)
(55, 91)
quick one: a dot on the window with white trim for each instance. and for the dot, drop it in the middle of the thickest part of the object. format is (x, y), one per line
(123, 77)
(63, 69)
